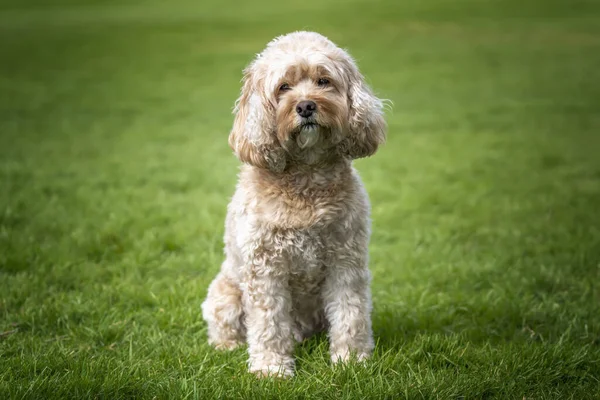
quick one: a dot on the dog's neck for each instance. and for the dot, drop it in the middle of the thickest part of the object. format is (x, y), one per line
(304, 180)
(313, 158)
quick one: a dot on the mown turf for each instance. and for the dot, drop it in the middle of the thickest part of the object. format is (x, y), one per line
(115, 175)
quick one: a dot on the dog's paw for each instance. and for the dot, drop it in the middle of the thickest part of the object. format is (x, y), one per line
(226, 344)
(346, 356)
(271, 371)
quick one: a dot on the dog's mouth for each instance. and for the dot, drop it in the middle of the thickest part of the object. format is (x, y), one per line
(308, 125)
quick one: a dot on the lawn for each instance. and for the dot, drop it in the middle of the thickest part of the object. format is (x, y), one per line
(115, 174)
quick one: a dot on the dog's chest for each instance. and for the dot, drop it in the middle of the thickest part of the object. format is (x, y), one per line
(302, 214)
(306, 254)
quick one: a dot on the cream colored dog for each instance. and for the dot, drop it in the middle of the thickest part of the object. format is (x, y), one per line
(297, 228)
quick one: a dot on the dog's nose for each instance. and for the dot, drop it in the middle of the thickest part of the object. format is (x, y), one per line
(306, 108)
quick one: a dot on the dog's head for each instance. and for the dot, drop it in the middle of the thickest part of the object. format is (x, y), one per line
(303, 99)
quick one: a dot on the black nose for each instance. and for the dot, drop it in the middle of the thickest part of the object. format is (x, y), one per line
(306, 108)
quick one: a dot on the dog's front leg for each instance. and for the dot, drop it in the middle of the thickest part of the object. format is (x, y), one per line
(347, 300)
(269, 321)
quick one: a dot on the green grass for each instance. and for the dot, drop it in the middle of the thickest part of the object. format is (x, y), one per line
(115, 175)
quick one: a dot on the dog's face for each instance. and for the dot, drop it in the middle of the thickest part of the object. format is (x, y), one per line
(304, 100)
(311, 108)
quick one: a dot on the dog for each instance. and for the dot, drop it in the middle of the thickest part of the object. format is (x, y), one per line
(298, 226)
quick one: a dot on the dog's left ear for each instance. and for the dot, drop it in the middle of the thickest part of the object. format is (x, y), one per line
(367, 125)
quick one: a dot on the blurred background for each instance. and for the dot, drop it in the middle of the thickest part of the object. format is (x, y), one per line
(115, 174)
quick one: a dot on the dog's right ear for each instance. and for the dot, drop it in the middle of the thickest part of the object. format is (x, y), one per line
(253, 138)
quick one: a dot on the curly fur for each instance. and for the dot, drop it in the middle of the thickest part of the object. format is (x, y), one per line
(297, 228)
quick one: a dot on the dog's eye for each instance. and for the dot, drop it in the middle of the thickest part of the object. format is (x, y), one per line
(323, 82)
(284, 87)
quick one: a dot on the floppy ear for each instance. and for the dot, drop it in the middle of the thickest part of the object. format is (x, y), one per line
(367, 125)
(253, 137)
